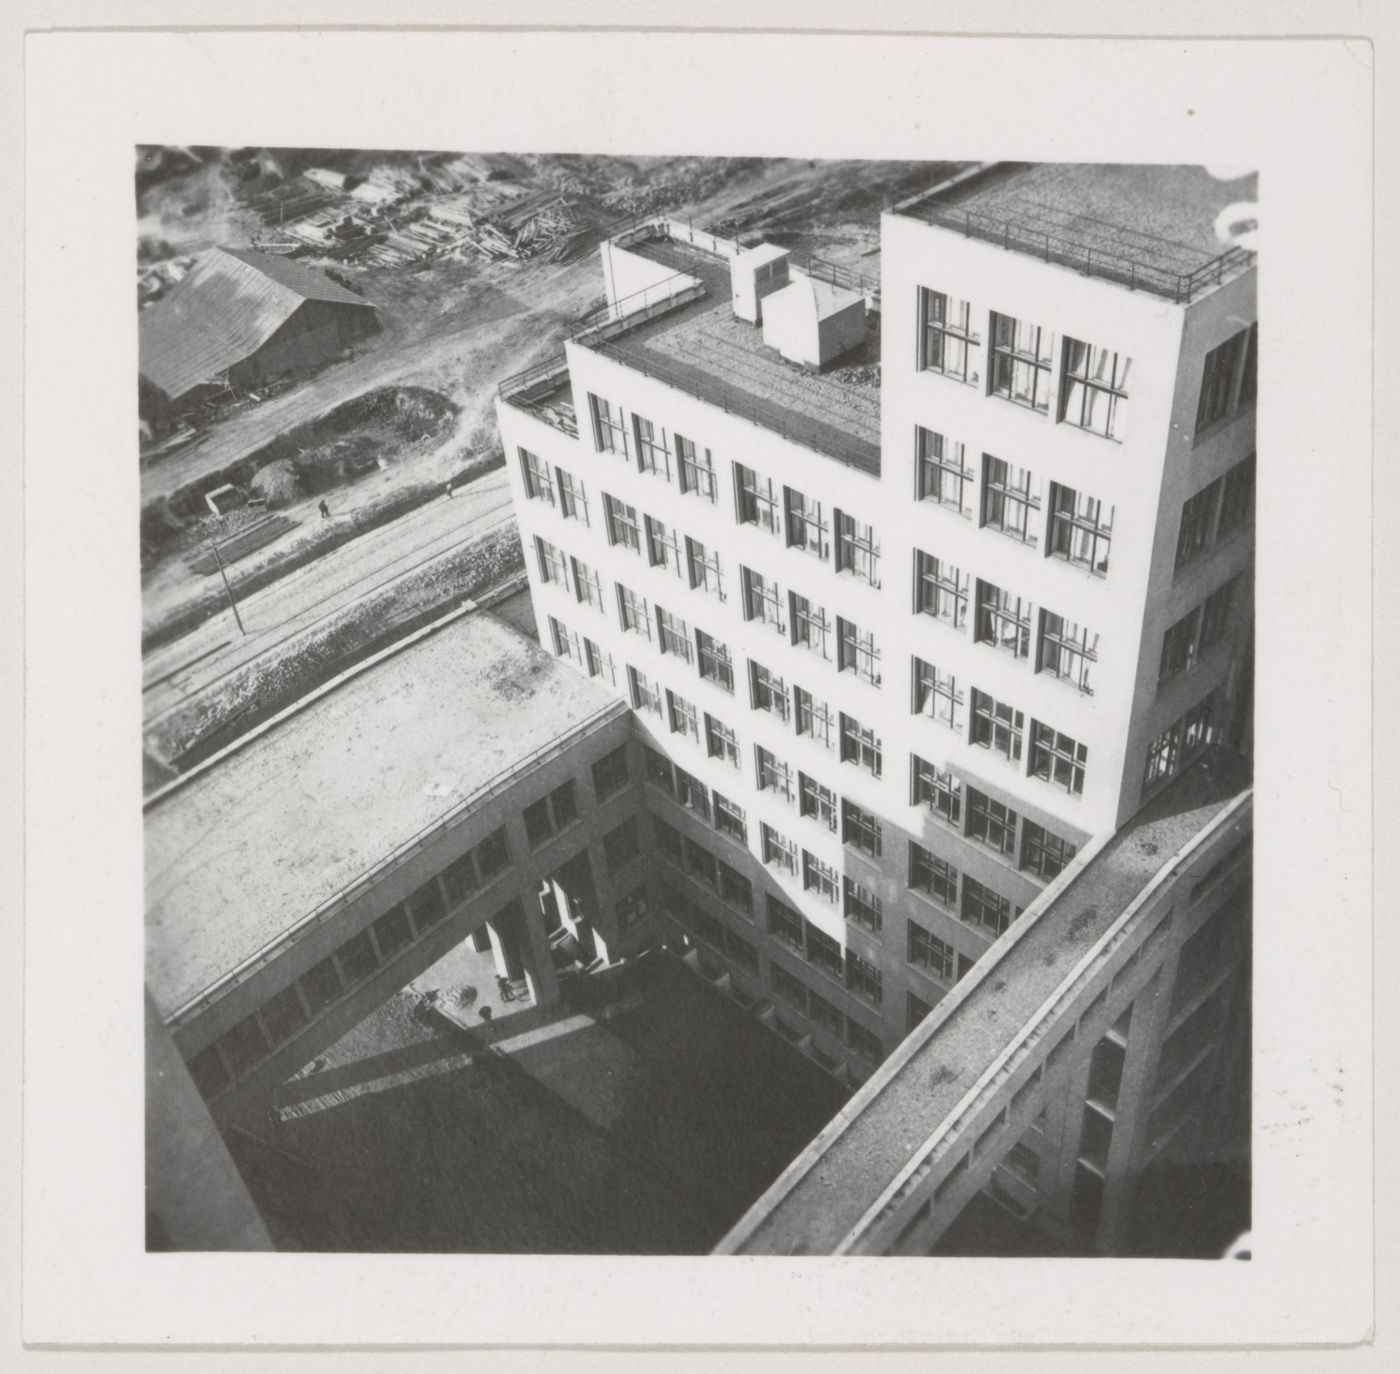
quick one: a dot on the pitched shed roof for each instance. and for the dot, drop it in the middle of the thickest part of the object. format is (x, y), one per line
(226, 307)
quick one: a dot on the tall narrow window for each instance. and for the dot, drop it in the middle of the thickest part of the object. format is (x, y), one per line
(1010, 500)
(715, 664)
(773, 774)
(554, 567)
(1021, 362)
(1003, 620)
(940, 792)
(860, 829)
(622, 523)
(697, 469)
(932, 876)
(663, 547)
(985, 908)
(940, 589)
(781, 853)
(720, 741)
(812, 717)
(820, 878)
(936, 695)
(1094, 389)
(856, 651)
(857, 549)
(1067, 651)
(1218, 380)
(756, 500)
(817, 801)
(729, 819)
(632, 612)
(573, 499)
(534, 474)
(684, 720)
(588, 586)
(1057, 758)
(860, 745)
(1237, 497)
(862, 905)
(704, 568)
(1043, 853)
(762, 599)
(1197, 523)
(947, 343)
(609, 428)
(996, 726)
(767, 691)
(809, 625)
(943, 473)
(807, 529)
(928, 952)
(653, 454)
(673, 635)
(991, 822)
(1081, 528)
(646, 695)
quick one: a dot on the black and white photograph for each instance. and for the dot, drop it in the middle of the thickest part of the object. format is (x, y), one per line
(696, 705)
(664, 672)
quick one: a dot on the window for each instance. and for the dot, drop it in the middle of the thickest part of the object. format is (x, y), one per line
(862, 905)
(857, 549)
(864, 979)
(806, 528)
(773, 774)
(932, 876)
(817, 801)
(715, 663)
(1043, 853)
(936, 695)
(566, 642)
(785, 924)
(1057, 759)
(809, 625)
(610, 773)
(554, 567)
(283, 1015)
(729, 818)
(991, 822)
(939, 791)
(734, 887)
(1067, 651)
(1080, 528)
(246, 1044)
(573, 499)
(762, 600)
(550, 814)
(1197, 521)
(856, 652)
(943, 473)
(1215, 615)
(534, 474)
(704, 568)
(1164, 754)
(659, 771)
(1237, 497)
(609, 429)
(1021, 362)
(1218, 380)
(720, 741)
(822, 950)
(663, 547)
(668, 839)
(697, 469)
(1003, 620)
(630, 909)
(1094, 389)
(860, 829)
(985, 908)
(622, 845)
(940, 590)
(632, 613)
(820, 878)
(1196, 726)
(646, 695)
(778, 851)
(996, 726)
(1179, 647)
(1010, 500)
(493, 855)
(682, 715)
(813, 717)
(788, 986)
(673, 634)
(757, 503)
(459, 878)
(825, 1015)
(653, 455)
(1249, 373)
(701, 864)
(692, 794)
(741, 951)
(931, 954)
(588, 586)
(622, 523)
(767, 692)
(859, 745)
(947, 343)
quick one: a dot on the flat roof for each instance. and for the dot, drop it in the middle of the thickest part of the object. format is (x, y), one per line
(702, 348)
(1160, 220)
(246, 849)
(848, 1173)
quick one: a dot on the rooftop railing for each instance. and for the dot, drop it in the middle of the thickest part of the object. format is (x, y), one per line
(680, 288)
(835, 275)
(1123, 268)
(519, 384)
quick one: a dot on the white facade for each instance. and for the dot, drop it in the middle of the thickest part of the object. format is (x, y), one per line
(862, 573)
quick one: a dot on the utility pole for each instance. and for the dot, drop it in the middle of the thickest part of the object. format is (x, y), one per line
(232, 604)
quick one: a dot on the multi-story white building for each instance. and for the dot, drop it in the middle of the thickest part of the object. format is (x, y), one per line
(903, 639)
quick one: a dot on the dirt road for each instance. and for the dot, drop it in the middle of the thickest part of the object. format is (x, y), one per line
(319, 591)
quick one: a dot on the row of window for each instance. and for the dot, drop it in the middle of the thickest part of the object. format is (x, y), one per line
(1215, 512)
(1093, 382)
(819, 949)
(803, 622)
(793, 514)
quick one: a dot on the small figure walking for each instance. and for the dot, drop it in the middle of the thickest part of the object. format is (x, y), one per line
(447, 487)
(325, 511)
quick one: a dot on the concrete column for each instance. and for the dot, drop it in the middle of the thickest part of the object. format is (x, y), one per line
(481, 939)
(539, 959)
(505, 949)
(1064, 1103)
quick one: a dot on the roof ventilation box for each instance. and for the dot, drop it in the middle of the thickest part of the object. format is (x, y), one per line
(753, 274)
(814, 323)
